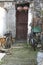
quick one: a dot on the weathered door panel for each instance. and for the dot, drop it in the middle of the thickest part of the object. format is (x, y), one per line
(21, 25)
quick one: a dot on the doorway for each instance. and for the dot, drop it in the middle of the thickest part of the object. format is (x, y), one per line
(21, 25)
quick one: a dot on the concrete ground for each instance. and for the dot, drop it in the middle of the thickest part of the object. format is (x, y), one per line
(20, 55)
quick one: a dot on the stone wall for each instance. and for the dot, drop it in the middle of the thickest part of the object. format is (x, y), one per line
(11, 18)
(30, 19)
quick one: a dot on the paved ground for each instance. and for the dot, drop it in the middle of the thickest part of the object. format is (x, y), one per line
(20, 56)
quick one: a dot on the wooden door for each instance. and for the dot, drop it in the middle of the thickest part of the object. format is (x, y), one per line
(21, 25)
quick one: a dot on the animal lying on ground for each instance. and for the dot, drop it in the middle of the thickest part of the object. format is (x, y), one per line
(2, 42)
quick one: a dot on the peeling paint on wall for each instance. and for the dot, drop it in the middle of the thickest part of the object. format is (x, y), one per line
(2, 21)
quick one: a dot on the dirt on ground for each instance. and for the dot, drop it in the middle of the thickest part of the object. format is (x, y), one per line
(20, 55)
